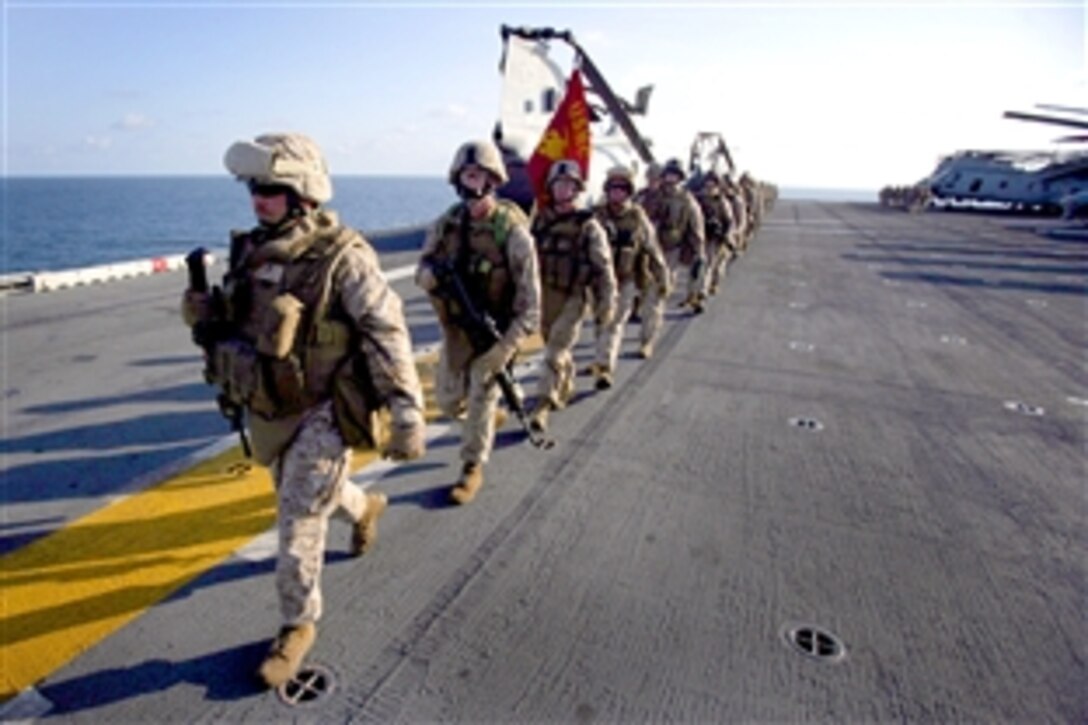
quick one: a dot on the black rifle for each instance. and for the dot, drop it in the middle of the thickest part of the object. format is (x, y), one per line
(206, 333)
(482, 334)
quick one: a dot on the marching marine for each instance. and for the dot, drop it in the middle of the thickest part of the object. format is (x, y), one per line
(679, 223)
(634, 251)
(485, 243)
(649, 196)
(307, 336)
(718, 226)
(741, 227)
(575, 261)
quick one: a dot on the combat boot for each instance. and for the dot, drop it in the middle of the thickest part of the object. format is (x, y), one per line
(288, 650)
(500, 417)
(365, 532)
(472, 477)
(538, 421)
(604, 379)
(697, 303)
(646, 350)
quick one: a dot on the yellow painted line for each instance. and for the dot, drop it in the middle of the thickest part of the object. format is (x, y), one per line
(64, 593)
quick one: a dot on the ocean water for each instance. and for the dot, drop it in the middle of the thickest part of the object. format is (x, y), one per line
(53, 223)
(68, 222)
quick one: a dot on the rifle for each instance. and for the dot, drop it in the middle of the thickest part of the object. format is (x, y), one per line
(483, 333)
(206, 333)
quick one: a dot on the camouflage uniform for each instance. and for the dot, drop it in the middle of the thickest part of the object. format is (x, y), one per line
(679, 224)
(740, 216)
(635, 253)
(718, 225)
(499, 267)
(462, 388)
(315, 343)
(575, 261)
(752, 203)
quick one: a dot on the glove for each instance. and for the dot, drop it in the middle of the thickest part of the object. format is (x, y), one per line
(425, 278)
(604, 317)
(195, 307)
(407, 438)
(663, 290)
(495, 358)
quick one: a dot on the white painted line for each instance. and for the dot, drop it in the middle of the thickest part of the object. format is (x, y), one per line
(395, 275)
(26, 707)
(260, 548)
(1077, 401)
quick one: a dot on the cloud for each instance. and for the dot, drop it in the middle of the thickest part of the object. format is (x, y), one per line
(100, 143)
(133, 122)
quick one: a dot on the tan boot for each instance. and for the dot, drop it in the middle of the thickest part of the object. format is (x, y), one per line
(646, 351)
(472, 477)
(538, 421)
(288, 650)
(500, 417)
(604, 379)
(366, 528)
(697, 303)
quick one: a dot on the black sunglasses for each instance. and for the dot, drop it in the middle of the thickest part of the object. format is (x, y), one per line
(267, 190)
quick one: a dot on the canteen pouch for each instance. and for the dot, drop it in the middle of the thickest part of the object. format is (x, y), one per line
(282, 388)
(279, 326)
(267, 386)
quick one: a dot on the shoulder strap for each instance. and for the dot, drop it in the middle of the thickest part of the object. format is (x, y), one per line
(332, 248)
(508, 215)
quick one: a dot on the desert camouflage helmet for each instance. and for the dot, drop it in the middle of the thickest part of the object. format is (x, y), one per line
(568, 168)
(620, 174)
(289, 159)
(483, 154)
(653, 171)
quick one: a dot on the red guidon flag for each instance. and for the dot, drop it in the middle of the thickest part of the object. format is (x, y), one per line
(567, 137)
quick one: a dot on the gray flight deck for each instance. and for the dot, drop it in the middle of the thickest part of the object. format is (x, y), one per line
(876, 431)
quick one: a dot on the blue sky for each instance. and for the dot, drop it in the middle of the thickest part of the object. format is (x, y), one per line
(845, 95)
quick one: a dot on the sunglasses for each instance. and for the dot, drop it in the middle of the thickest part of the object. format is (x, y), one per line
(267, 190)
(622, 187)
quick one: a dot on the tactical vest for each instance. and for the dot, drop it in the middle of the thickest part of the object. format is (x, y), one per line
(672, 219)
(716, 219)
(626, 236)
(563, 250)
(486, 270)
(293, 345)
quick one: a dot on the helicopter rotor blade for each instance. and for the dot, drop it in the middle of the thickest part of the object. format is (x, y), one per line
(1039, 118)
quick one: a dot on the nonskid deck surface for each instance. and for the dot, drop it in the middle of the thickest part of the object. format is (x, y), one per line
(872, 441)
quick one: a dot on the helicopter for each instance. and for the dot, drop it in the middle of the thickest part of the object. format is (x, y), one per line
(533, 86)
(1049, 182)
